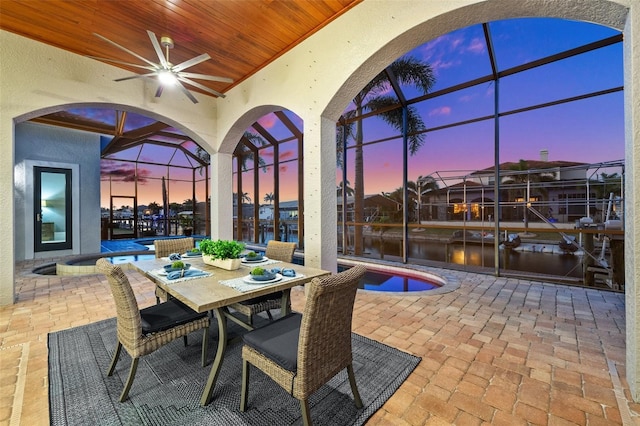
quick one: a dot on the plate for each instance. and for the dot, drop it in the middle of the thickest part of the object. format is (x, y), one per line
(249, 280)
(198, 254)
(262, 259)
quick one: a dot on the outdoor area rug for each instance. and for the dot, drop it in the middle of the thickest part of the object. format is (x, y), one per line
(169, 383)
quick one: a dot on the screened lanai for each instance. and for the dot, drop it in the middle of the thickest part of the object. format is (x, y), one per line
(540, 98)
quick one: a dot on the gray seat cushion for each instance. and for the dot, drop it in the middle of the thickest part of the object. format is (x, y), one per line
(278, 340)
(165, 315)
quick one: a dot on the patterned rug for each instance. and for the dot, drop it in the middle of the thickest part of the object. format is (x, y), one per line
(169, 383)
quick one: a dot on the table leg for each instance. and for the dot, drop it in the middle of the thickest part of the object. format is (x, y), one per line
(217, 363)
(285, 306)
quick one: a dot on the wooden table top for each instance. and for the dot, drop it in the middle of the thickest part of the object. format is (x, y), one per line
(206, 293)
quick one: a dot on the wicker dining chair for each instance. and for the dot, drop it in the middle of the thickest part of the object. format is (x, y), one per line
(173, 245)
(276, 250)
(142, 331)
(164, 248)
(303, 352)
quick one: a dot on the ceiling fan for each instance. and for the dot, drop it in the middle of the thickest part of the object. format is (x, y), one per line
(165, 71)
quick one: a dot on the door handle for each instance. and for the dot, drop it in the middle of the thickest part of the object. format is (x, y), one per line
(38, 218)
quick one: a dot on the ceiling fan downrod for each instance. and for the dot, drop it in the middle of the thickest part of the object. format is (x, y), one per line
(167, 42)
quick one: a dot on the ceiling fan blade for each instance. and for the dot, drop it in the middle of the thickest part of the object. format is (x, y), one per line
(126, 50)
(191, 62)
(206, 77)
(159, 91)
(200, 86)
(187, 93)
(158, 49)
(145, 67)
(151, 74)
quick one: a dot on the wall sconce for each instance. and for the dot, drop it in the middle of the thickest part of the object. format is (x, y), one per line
(45, 203)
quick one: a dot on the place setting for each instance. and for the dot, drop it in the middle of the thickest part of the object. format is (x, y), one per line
(260, 276)
(178, 270)
(251, 259)
(193, 253)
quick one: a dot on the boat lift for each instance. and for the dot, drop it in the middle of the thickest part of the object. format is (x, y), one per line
(603, 270)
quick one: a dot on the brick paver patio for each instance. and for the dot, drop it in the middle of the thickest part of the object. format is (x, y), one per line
(494, 351)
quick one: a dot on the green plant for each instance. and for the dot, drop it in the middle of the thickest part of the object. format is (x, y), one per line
(251, 254)
(178, 264)
(221, 249)
(257, 271)
(186, 221)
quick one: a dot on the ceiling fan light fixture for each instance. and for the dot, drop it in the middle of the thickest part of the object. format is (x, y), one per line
(167, 78)
(167, 73)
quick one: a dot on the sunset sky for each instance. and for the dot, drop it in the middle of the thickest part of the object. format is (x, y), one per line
(589, 131)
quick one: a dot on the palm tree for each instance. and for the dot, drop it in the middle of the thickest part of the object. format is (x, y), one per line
(604, 185)
(347, 189)
(521, 179)
(424, 185)
(373, 97)
(204, 156)
(247, 154)
(416, 190)
(269, 198)
(607, 184)
(154, 207)
(245, 197)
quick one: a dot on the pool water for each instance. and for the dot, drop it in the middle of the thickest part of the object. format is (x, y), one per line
(130, 258)
(392, 282)
(382, 281)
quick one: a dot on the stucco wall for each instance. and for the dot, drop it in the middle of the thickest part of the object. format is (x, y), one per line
(55, 144)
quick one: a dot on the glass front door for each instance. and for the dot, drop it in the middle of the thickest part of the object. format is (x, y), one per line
(52, 198)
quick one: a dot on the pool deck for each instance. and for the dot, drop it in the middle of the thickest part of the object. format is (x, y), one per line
(496, 350)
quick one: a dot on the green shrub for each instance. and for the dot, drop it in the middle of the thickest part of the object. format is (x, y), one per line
(221, 249)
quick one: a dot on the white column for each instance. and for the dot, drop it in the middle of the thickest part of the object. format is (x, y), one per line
(632, 201)
(221, 196)
(7, 232)
(320, 214)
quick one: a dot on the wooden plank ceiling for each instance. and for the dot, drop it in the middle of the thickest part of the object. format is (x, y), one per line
(241, 36)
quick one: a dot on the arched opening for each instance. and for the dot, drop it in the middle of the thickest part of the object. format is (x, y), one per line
(500, 113)
(268, 180)
(141, 177)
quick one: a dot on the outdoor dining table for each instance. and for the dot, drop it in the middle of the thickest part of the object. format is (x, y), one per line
(206, 293)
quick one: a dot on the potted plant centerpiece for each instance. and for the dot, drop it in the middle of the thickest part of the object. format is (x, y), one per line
(222, 253)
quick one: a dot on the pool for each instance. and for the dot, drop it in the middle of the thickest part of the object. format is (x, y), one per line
(381, 278)
(384, 281)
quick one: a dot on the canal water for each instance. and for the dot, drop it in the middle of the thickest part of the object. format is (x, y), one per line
(478, 255)
(475, 255)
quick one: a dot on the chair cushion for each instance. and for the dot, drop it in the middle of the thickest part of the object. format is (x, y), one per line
(278, 340)
(260, 299)
(165, 315)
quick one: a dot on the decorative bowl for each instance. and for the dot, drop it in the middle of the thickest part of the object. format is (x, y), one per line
(256, 258)
(266, 276)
